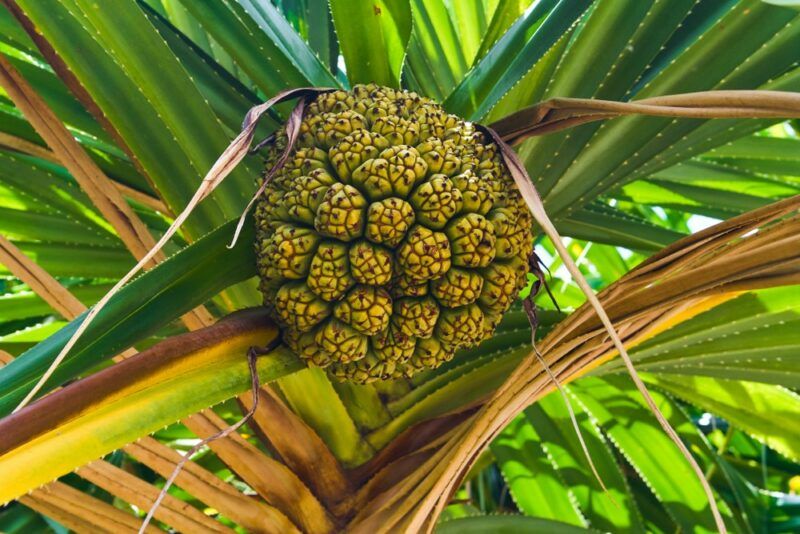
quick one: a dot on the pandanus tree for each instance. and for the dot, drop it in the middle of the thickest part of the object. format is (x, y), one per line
(413, 170)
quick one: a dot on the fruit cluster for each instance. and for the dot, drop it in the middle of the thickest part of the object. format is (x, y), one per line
(393, 236)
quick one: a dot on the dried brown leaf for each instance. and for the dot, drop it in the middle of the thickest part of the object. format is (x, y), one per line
(300, 448)
(251, 514)
(272, 480)
(173, 511)
(562, 113)
(80, 512)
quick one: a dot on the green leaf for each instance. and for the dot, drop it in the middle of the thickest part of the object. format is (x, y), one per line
(333, 424)
(595, 49)
(31, 335)
(506, 12)
(759, 147)
(571, 161)
(13, 35)
(451, 393)
(632, 32)
(749, 505)
(151, 301)
(435, 50)
(754, 337)
(466, 361)
(363, 403)
(30, 225)
(787, 168)
(30, 183)
(794, 4)
(373, 37)
(113, 162)
(638, 436)
(600, 223)
(612, 512)
(76, 260)
(534, 482)
(714, 133)
(274, 26)
(471, 374)
(254, 46)
(735, 176)
(514, 54)
(753, 407)
(506, 524)
(419, 73)
(470, 21)
(751, 45)
(229, 98)
(512, 333)
(147, 95)
(58, 97)
(312, 19)
(26, 304)
(178, 15)
(530, 88)
(708, 201)
(17, 519)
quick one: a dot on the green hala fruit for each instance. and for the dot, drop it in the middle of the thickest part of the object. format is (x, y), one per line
(393, 236)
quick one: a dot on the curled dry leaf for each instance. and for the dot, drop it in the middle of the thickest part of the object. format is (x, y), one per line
(562, 113)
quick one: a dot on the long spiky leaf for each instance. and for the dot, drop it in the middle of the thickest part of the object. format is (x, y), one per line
(224, 165)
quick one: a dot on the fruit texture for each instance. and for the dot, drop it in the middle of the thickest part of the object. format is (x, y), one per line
(393, 236)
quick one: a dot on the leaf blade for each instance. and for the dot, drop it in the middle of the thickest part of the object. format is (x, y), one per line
(374, 46)
(146, 304)
(134, 398)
